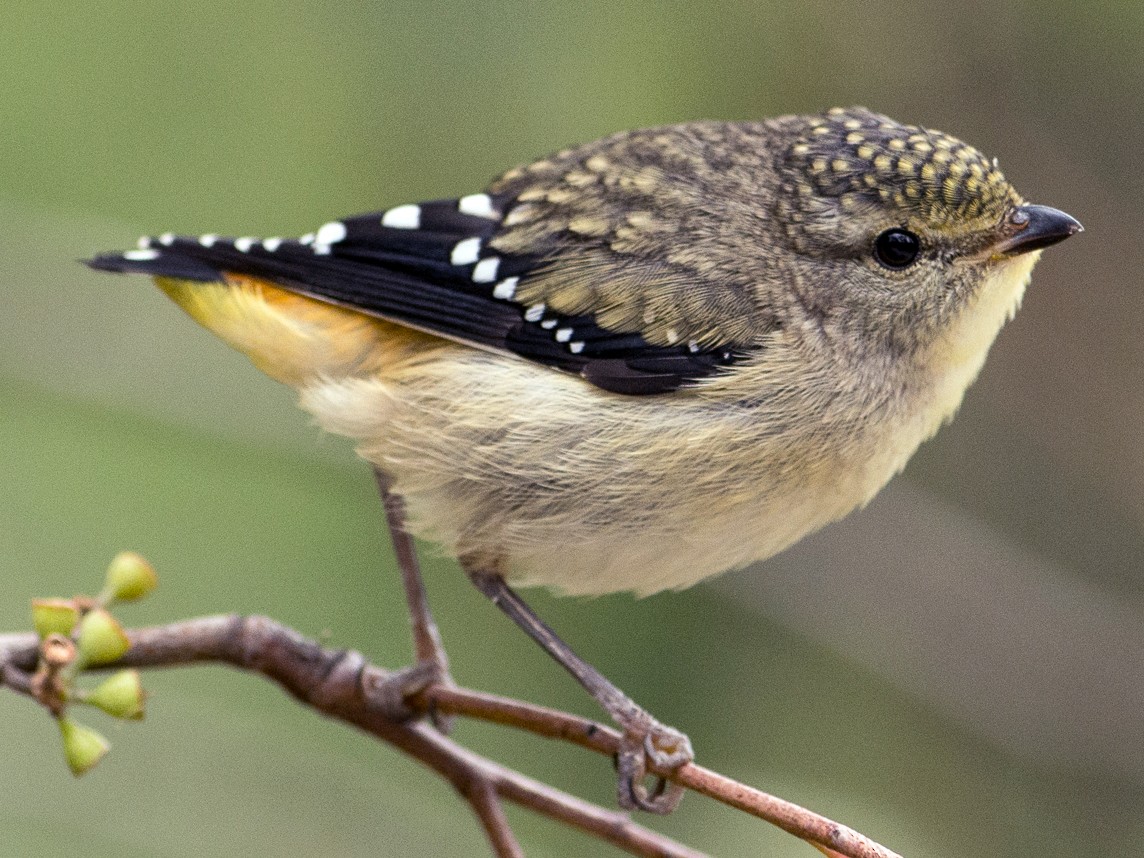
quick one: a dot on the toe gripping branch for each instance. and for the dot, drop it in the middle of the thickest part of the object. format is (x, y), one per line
(645, 740)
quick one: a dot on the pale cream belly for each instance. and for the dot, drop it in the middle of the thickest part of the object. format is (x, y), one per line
(641, 497)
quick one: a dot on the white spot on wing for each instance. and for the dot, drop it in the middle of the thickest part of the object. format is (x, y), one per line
(141, 255)
(477, 205)
(486, 270)
(534, 313)
(466, 252)
(563, 335)
(506, 288)
(308, 238)
(549, 324)
(271, 244)
(330, 233)
(144, 242)
(208, 240)
(403, 217)
(167, 238)
(242, 245)
(576, 347)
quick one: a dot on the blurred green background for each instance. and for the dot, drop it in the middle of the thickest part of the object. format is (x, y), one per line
(958, 670)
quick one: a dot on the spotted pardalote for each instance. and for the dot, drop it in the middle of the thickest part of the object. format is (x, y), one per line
(647, 359)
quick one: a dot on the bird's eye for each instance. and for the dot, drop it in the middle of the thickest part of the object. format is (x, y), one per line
(897, 248)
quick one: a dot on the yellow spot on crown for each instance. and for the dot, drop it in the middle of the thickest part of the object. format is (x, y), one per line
(950, 189)
(857, 158)
(579, 180)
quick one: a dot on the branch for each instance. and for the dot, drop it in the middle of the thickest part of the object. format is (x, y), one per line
(343, 685)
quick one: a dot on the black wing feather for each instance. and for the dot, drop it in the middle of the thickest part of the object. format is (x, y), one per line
(432, 271)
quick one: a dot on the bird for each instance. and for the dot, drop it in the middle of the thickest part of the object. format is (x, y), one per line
(637, 362)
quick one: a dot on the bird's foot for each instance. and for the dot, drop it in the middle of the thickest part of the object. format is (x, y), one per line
(645, 744)
(391, 693)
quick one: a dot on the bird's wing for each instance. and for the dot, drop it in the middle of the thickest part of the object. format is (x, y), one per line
(480, 271)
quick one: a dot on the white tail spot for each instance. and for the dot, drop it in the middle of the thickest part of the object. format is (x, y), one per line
(506, 288)
(477, 205)
(330, 233)
(466, 252)
(486, 270)
(403, 217)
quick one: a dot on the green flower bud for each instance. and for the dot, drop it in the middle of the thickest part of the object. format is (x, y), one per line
(121, 695)
(129, 577)
(54, 617)
(83, 747)
(101, 638)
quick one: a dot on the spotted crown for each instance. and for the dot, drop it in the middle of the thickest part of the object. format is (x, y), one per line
(858, 157)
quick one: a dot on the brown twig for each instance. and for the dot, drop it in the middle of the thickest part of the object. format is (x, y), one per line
(341, 684)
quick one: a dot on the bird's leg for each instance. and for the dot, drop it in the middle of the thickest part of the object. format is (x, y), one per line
(644, 737)
(432, 665)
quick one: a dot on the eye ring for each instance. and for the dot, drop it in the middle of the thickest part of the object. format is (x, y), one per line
(897, 248)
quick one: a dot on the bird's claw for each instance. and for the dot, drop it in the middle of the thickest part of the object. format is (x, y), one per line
(391, 693)
(665, 748)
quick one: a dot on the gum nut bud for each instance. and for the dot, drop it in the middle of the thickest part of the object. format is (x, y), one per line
(101, 638)
(129, 577)
(57, 650)
(121, 695)
(83, 747)
(54, 617)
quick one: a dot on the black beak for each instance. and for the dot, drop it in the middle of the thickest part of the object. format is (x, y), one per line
(1033, 227)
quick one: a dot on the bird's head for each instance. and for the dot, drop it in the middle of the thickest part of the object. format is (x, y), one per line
(902, 228)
